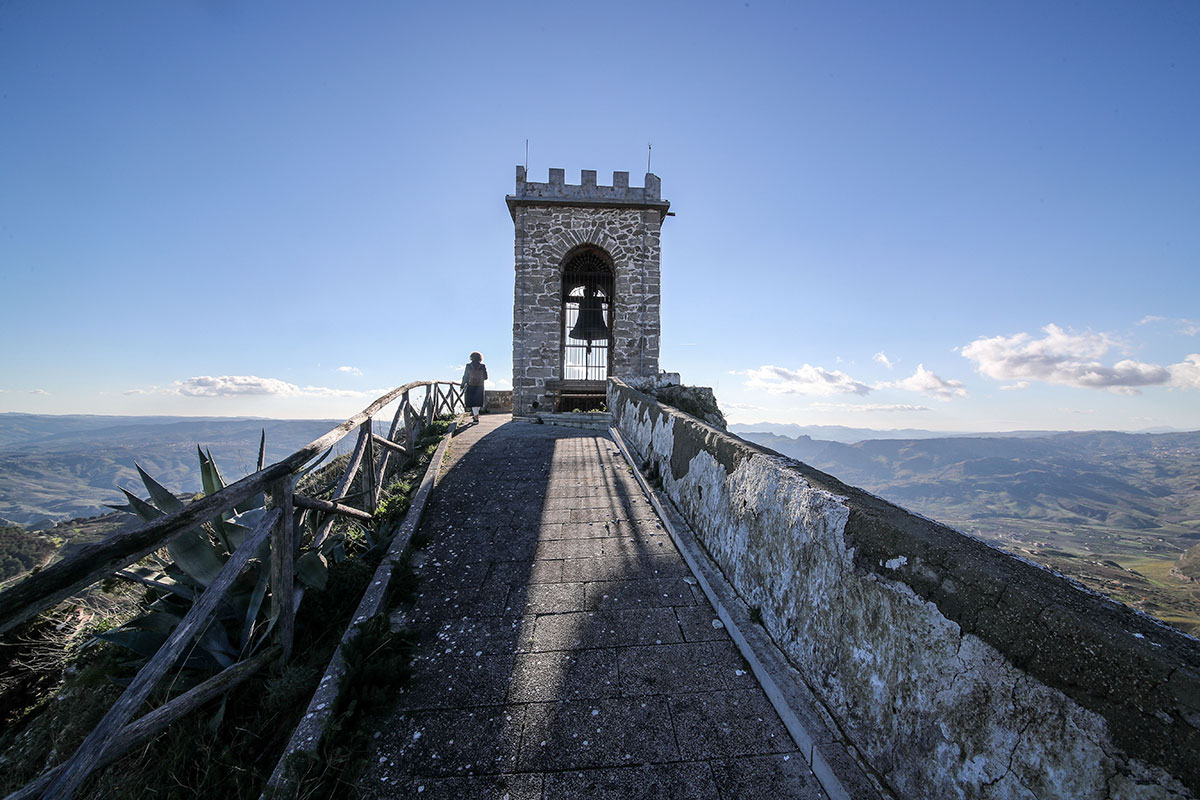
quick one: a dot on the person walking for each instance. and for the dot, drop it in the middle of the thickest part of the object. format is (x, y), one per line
(473, 379)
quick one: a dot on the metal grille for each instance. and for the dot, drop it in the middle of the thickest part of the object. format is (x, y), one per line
(587, 317)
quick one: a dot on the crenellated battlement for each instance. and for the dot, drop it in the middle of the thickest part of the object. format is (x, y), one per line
(587, 193)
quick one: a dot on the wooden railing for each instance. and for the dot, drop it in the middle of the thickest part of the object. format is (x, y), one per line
(117, 732)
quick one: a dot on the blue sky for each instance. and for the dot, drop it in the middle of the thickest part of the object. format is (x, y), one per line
(956, 216)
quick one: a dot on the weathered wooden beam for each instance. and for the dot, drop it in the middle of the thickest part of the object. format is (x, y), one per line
(77, 768)
(387, 442)
(395, 447)
(172, 588)
(360, 447)
(150, 725)
(89, 564)
(343, 484)
(283, 568)
(94, 562)
(316, 504)
(310, 732)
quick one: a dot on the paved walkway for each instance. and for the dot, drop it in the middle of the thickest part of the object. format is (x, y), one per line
(565, 650)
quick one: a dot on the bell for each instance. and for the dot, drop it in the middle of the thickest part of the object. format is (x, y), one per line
(589, 326)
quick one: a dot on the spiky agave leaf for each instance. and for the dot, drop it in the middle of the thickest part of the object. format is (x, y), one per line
(195, 554)
(163, 498)
(210, 478)
(312, 570)
(253, 606)
(320, 460)
(215, 641)
(253, 501)
(137, 505)
(157, 580)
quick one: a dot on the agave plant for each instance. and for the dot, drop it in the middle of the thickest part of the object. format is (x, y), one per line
(195, 557)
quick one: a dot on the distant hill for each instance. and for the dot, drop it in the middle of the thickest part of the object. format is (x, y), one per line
(840, 433)
(55, 468)
(1096, 480)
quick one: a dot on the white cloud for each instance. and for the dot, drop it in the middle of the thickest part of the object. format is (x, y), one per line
(906, 407)
(233, 386)
(883, 359)
(1186, 374)
(808, 380)
(350, 370)
(38, 391)
(928, 383)
(252, 385)
(1063, 358)
(499, 384)
(1013, 387)
(1188, 327)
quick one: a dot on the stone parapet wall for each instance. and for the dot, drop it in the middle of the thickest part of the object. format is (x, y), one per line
(957, 670)
(498, 401)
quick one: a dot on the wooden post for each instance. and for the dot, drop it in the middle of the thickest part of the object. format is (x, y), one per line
(283, 568)
(370, 483)
(410, 434)
(389, 443)
(343, 484)
(85, 759)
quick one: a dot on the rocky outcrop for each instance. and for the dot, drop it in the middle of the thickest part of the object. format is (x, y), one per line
(699, 401)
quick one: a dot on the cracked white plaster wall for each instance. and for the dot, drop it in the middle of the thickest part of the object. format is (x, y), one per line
(937, 712)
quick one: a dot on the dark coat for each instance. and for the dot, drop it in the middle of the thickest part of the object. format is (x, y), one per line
(473, 379)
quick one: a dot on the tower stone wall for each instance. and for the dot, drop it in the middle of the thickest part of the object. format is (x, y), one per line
(551, 221)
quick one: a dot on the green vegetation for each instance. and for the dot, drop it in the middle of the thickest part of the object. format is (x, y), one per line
(21, 551)
(377, 661)
(195, 557)
(67, 667)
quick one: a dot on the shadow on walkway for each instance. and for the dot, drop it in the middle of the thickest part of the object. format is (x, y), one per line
(564, 649)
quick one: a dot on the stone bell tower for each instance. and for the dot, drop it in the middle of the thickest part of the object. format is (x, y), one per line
(587, 297)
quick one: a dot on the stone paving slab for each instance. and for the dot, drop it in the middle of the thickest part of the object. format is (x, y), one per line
(563, 648)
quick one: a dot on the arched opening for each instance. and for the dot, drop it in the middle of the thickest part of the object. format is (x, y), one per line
(587, 327)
